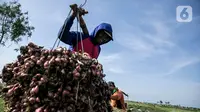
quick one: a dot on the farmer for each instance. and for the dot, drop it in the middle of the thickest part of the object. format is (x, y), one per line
(117, 98)
(102, 34)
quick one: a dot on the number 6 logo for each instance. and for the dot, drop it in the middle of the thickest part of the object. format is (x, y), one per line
(184, 13)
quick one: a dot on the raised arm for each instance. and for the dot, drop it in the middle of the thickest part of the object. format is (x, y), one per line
(67, 36)
(82, 22)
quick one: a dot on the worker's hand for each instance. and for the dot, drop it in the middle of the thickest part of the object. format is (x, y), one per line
(74, 8)
(82, 12)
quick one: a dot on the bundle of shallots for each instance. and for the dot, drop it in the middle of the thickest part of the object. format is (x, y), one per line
(56, 80)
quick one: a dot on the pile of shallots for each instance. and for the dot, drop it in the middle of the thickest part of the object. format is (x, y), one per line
(56, 80)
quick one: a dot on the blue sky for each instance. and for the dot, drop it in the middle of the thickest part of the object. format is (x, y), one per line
(153, 57)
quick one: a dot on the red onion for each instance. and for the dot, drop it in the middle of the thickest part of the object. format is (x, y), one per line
(45, 110)
(40, 109)
(49, 57)
(33, 57)
(31, 44)
(76, 75)
(9, 69)
(45, 80)
(63, 59)
(31, 63)
(69, 88)
(75, 71)
(30, 51)
(32, 84)
(65, 93)
(25, 104)
(32, 100)
(58, 60)
(50, 94)
(46, 51)
(93, 72)
(93, 66)
(59, 89)
(38, 75)
(16, 69)
(46, 64)
(52, 60)
(89, 71)
(59, 50)
(42, 58)
(39, 62)
(34, 79)
(55, 95)
(10, 86)
(34, 90)
(18, 63)
(27, 65)
(98, 73)
(10, 91)
(63, 71)
(40, 83)
(38, 99)
(15, 88)
(26, 60)
(78, 68)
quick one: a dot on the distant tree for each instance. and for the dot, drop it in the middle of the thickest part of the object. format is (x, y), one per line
(13, 23)
(167, 103)
(161, 102)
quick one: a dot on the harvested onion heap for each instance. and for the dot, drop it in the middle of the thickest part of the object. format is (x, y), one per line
(57, 80)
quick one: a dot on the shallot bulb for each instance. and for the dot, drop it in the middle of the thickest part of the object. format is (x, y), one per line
(45, 110)
(10, 91)
(58, 60)
(46, 64)
(32, 100)
(78, 68)
(38, 99)
(39, 62)
(34, 90)
(31, 44)
(38, 75)
(43, 80)
(33, 57)
(65, 93)
(40, 109)
(59, 50)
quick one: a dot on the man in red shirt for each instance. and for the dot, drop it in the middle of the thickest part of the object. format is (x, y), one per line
(90, 43)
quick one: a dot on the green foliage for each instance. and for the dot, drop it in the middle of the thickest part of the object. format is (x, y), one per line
(14, 24)
(149, 107)
(2, 105)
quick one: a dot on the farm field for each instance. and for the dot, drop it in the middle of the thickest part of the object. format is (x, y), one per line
(139, 107)
(148, 107)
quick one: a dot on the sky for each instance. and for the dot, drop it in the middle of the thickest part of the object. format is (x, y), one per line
(153, 57)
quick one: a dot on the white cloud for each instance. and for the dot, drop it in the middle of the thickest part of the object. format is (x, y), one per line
(181, 64)
(156, 39)
(145, 43)
(112, 63)
(116, 70)
(109, 58)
